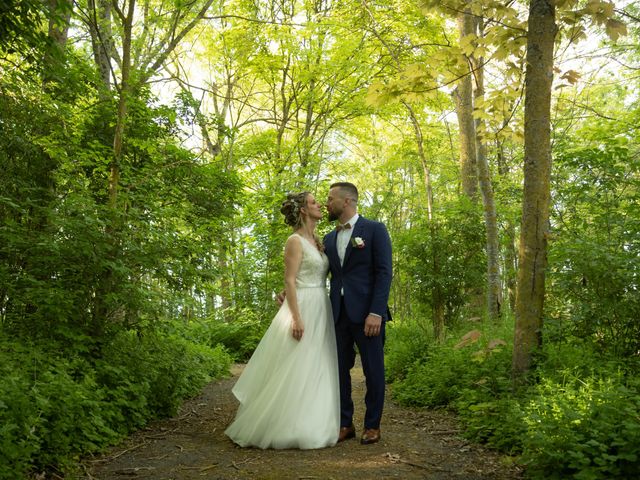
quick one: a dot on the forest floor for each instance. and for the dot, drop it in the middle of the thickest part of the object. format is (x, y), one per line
(416, 444)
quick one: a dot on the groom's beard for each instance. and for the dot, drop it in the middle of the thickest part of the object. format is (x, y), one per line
(332, 217)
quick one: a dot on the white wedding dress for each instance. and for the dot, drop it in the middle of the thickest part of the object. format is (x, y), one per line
(289, 393)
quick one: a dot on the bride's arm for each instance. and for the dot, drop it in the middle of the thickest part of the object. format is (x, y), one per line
(292, 261)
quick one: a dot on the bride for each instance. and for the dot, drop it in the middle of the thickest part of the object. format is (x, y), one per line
(288, 392)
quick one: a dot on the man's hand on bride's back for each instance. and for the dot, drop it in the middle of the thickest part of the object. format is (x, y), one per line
(280, 297)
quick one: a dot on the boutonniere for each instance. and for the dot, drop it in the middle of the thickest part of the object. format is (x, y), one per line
(357, 242)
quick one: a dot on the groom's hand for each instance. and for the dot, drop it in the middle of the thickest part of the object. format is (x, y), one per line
(280, 296)
(372, 325)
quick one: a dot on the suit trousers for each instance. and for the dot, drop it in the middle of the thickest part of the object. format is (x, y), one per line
(349, 335)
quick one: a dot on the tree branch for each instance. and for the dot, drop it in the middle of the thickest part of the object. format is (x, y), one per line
(176, 40)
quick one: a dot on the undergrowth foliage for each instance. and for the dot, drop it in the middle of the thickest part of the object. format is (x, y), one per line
(581, 419)
(56, 406)
(239, 337)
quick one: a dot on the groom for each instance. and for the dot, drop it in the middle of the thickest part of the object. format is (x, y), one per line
(359, 252)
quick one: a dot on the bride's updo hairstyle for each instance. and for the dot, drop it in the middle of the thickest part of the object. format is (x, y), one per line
(291, 208)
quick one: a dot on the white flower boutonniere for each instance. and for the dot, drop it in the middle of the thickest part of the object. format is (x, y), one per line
(357, 242)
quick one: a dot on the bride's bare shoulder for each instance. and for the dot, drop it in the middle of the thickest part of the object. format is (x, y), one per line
(294, 240)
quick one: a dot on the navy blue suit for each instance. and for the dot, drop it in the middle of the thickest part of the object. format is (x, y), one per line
(365, 279)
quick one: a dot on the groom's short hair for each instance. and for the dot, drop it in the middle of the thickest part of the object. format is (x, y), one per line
(349, 189)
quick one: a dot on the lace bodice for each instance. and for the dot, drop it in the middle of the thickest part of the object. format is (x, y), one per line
(314, 266)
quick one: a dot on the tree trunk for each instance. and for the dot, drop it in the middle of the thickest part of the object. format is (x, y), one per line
(100, 30)
(114, 174)
(104, 310)
(423, 159)
(59, 19)
(463, 98)
(438, 306)
(510, 254)
(494, 297)
(537, 168)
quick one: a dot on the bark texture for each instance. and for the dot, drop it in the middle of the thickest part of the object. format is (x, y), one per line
(59, 20)
(101, 40)
(463, 99)
(494, 291)
(537, 168)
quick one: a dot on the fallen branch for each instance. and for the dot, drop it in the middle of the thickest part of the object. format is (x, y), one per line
(135, 447)
(160, 457)
(200, 469)
(397, 459)
(133, 470)
(246, 460)
(160, 436)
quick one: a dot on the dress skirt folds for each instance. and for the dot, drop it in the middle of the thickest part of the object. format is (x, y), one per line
(288, 392)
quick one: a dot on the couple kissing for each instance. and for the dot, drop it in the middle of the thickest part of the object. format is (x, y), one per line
(295, 391)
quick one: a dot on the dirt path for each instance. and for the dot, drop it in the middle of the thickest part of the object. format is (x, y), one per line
(415, 444)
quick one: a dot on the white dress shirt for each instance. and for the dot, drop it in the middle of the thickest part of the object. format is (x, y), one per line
(344, 236)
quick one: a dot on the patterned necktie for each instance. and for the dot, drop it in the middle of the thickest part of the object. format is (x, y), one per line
(346, 226)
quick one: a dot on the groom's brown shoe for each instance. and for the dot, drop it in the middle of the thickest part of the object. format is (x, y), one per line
(346, 433)
(370, 435)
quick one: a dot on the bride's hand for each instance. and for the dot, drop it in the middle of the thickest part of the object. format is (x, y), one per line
(297, 329)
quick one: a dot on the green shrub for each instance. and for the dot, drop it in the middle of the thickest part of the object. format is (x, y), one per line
(587, 429)
(160, 372)
(581, 420)
(496, 422)
(445, 255)
(434, 382)
(19, 420)
(56, 406)
(444, 372)
(239, 337)
(407, 343)
(594, 259)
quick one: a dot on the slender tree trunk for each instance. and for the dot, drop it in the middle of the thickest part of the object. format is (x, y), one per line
(114, 175)
(286, 106)
(537, 168)
(510, 254)
(463, 99)
(225, 283)
(214, 149)
(494, 297)
(511, 264)
(108, 283)
(100, 30)
(424, 163)
(437, 297)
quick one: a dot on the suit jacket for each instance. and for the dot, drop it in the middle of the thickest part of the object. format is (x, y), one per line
(365, 275)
